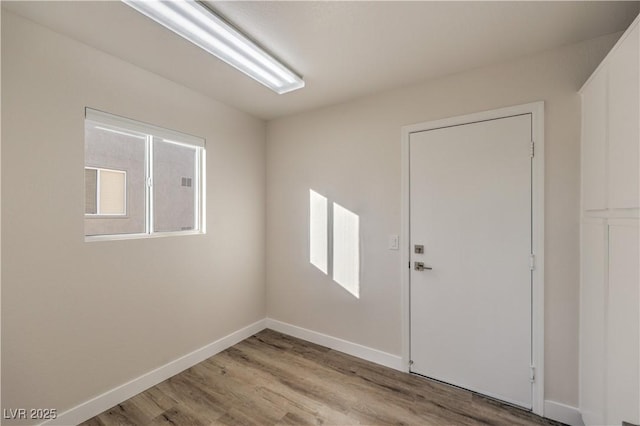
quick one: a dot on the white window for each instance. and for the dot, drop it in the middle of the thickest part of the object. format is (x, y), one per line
(141, 180)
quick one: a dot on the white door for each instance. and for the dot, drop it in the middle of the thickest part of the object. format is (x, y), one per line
(470, 209)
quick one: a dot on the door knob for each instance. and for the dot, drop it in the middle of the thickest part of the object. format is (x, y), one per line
(419, 266)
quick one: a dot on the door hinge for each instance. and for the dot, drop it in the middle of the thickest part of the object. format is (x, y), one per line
(532, 149)
(532, 374)
(532, 262)
(410, 362)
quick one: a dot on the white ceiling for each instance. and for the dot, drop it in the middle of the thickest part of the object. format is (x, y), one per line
(344, 50)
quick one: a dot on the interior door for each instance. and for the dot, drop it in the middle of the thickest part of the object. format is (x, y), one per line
(470, 210)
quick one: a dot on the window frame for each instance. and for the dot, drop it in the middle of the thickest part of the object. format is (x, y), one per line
(151, 133)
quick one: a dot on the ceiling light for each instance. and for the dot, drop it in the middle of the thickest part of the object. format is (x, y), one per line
(198, 24)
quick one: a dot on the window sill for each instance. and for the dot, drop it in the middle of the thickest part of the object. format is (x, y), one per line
(106, 216)
(117, 237)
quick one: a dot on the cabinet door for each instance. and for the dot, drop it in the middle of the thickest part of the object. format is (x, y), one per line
(594, 147)
(624, 134)
(623, 338)
(592, 320)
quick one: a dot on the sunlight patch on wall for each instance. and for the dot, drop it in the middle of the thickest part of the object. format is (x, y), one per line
(346, 249)
(334, 242)
(318, 231)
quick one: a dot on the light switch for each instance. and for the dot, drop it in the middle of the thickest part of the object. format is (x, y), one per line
(394, 242)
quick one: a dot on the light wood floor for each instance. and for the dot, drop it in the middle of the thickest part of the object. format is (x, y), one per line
(274, 379)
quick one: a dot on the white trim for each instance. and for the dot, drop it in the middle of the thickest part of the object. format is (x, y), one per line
(405, 253)
(120, 132)
(196, 189)
(148, 184)
(139, 236)
(537, 181)
(536, 109)
(202, 188)
(115, 396)
(563, 413)
(350, 348)
(130, 127)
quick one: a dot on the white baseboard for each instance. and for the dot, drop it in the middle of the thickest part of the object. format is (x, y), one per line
(563, 413)
(364, 352)
(115, 396)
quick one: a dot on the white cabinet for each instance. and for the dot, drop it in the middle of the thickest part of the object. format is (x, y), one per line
(623, 127)
(594, 147)
(593, 258)
(623, 323)
(610, 238)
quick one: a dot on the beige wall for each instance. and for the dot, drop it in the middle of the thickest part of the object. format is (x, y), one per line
(351, 154)
(81, 318)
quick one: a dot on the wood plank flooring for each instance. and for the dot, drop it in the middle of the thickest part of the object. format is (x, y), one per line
(274, 379)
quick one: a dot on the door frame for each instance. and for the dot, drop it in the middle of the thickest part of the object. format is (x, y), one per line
(536, 109)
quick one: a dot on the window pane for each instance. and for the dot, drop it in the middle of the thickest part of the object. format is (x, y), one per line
(90, 191)
(117, 150)
(112, 192)
(174, 186)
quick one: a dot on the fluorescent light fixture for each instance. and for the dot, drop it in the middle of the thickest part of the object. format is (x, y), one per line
(198, 24)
